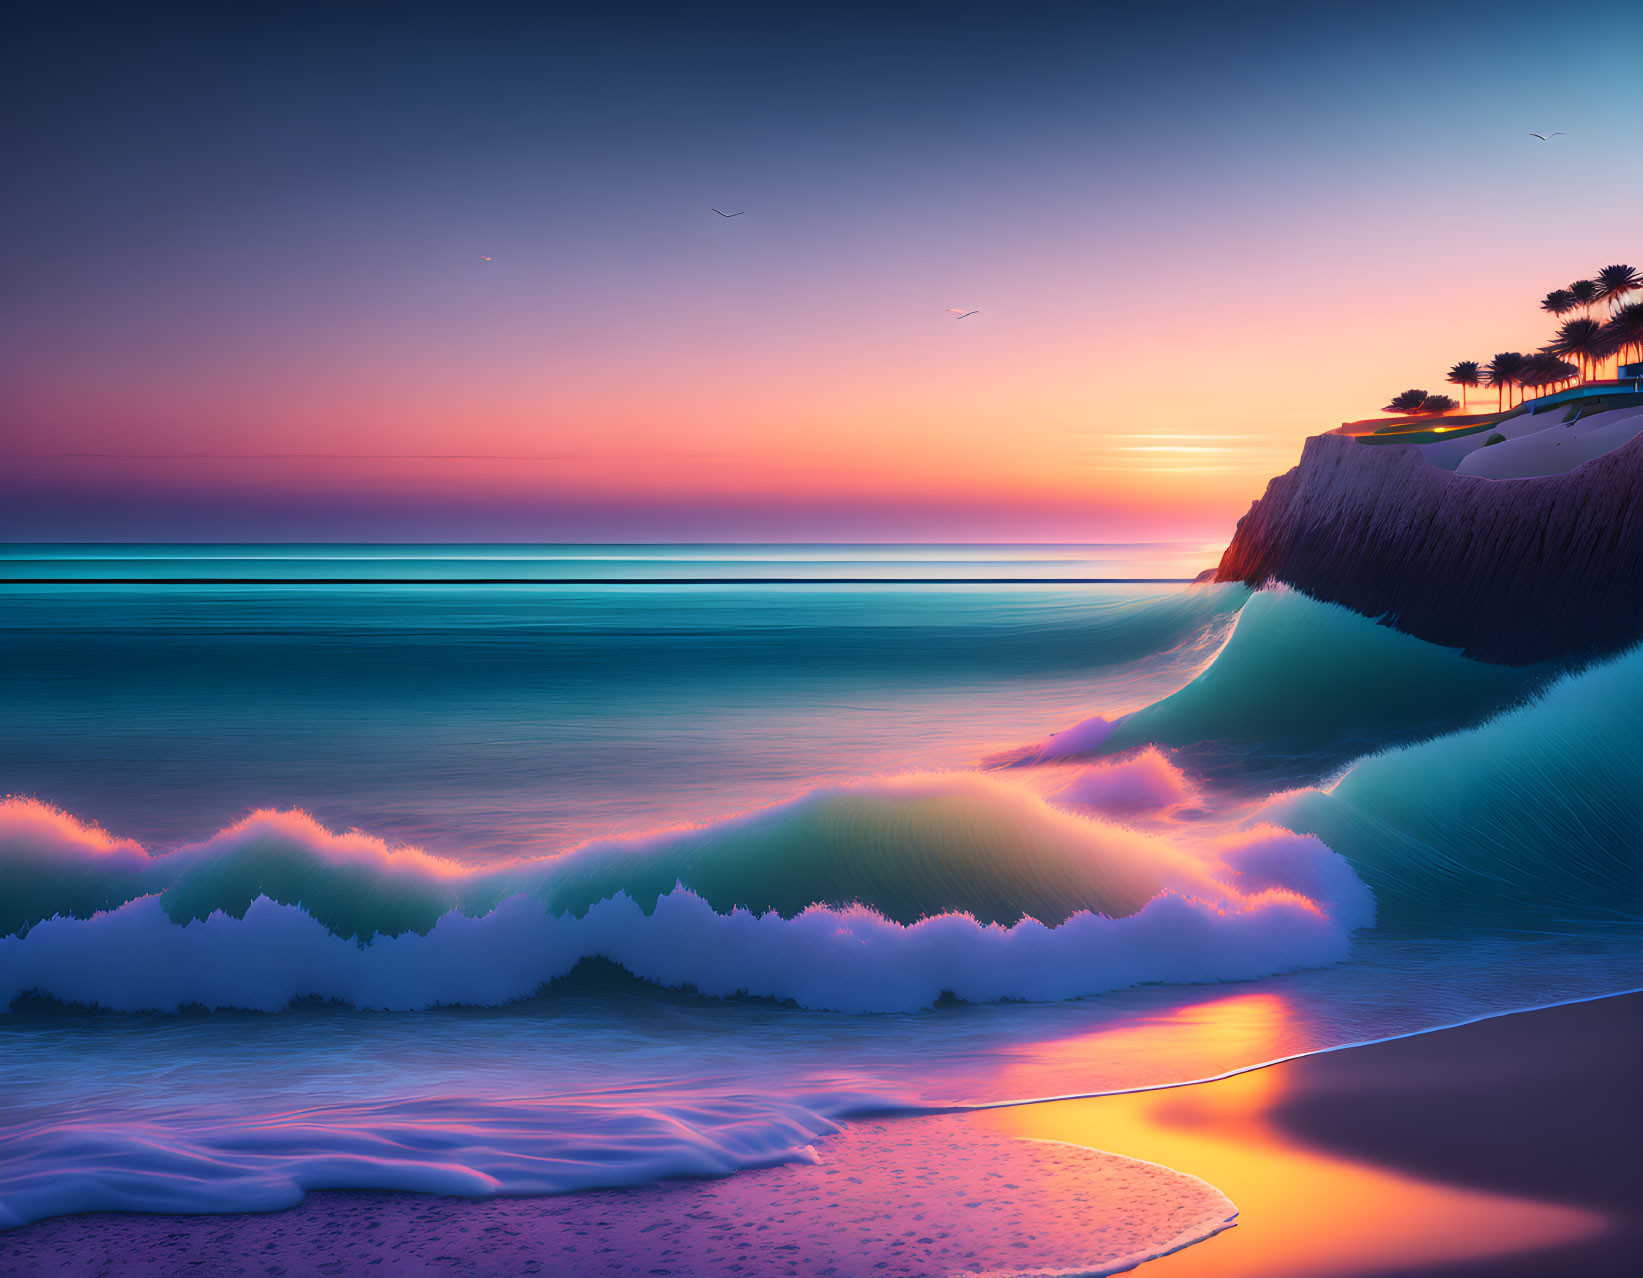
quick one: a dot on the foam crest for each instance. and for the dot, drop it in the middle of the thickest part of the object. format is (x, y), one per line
(135, 959)
(1145, 783)
(1084, 737)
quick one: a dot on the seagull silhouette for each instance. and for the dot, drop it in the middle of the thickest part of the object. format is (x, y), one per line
(957, 314)
(1546, 137)
(737, 213)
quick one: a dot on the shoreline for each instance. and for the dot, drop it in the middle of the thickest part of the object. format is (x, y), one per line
(1505, 1145)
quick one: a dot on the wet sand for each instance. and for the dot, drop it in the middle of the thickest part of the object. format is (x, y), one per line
(933, 1195)
(1510, 1147)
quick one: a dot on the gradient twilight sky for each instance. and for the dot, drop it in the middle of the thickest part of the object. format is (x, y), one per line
(243, 292)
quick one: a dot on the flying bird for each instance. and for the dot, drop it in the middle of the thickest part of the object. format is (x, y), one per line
(1546, 137)
(484, 259)
(957, 314)
(737, 213)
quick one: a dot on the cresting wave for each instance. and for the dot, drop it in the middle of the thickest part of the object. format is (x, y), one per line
(1316, 676)
(878, 896)
(1535, 815)
(1298, 689)
(1463, 794)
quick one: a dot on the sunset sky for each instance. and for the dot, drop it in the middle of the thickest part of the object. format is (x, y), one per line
(244, 294)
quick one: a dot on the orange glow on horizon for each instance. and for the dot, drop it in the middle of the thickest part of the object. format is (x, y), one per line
(1050, 422)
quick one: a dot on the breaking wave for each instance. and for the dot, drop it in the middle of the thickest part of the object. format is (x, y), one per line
(878, 896)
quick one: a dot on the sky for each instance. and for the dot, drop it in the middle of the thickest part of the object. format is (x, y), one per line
(451, 273)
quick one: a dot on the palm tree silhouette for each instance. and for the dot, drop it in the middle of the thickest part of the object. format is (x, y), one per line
(1558, 303)
(1536, 372)
(1585, 339)
(1464, 374)
(1624, 330)
(1437, 404)
(1409, 401)
(1563, 372)
(1585, 293)
(1545, 370)
(1501, 372)
(1615, 282)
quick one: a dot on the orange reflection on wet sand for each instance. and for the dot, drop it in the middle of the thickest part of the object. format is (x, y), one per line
(1301, 1210)
(1169, 1045)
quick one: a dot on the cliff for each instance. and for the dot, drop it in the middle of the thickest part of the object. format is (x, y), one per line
(1508, 570)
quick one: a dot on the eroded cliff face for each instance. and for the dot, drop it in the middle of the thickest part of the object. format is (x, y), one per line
(1508, 570)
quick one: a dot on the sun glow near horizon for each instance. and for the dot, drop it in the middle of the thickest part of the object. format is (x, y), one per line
(1164, 311)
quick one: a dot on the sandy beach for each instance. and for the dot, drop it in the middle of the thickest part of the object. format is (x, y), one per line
(1510, 1146)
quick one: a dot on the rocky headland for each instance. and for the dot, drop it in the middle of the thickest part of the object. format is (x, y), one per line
(1515, 571)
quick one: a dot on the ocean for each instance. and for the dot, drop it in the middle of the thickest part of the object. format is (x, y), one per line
(525, 869)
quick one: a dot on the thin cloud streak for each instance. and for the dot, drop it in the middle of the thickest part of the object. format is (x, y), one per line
(1189, 470)
(1175, 448)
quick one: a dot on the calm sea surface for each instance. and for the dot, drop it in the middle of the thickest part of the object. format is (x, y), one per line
(478, 718)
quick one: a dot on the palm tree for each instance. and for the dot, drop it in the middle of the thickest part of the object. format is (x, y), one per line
(1464, 374)
(1562, 371)
(1500, 373)
(1558, 303)
(1625, 329)
(1615, 282)
(1585, 293)
(1545, 370)
(1409, 401)
(1535, 372)
(1437, 404)
(1585, 339)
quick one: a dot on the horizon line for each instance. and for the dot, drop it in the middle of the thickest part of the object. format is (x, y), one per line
(596, 581)
(731, 542)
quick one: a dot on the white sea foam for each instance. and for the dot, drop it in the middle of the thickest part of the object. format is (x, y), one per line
(466, 1146)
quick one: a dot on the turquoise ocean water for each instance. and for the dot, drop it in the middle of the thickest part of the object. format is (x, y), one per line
(916, 818)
